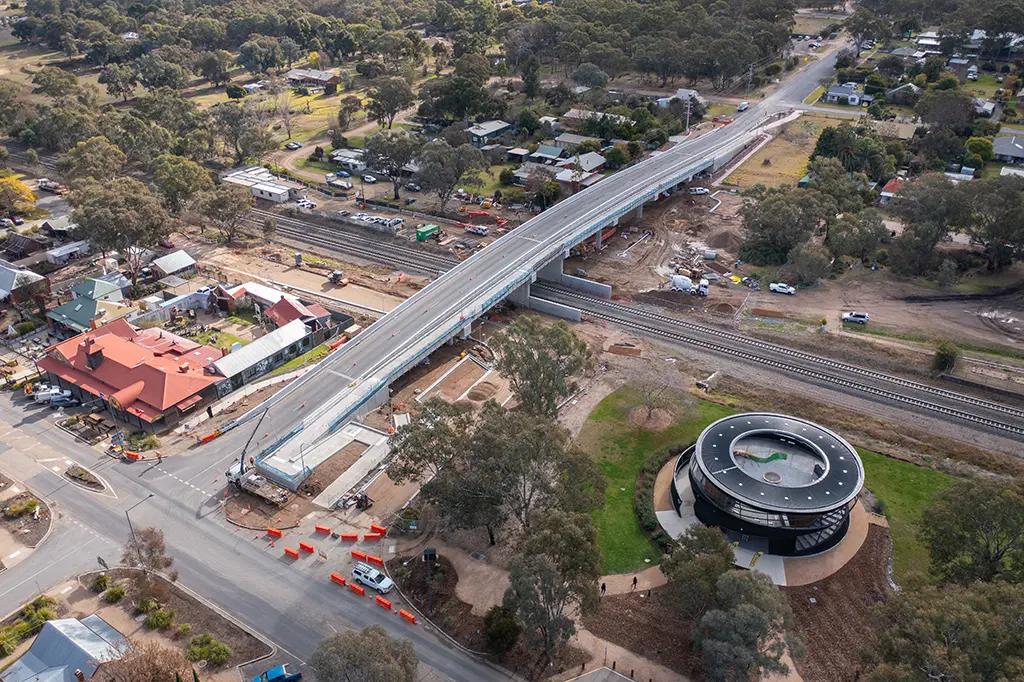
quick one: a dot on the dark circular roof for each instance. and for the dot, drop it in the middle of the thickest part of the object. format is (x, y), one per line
(809, 469)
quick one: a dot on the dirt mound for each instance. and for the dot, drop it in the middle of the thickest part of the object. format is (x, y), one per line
(722, 309)
(482, 391)
(725, 240)
(659, 419)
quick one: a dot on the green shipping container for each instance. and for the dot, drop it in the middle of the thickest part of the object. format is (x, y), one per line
(425, 232)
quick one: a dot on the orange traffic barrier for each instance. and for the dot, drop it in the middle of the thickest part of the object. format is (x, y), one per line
(407, 616)
(367, 537)
(354, 537)
(340, 579)
(334, 344)
(383, 603)
(134, 456)
(208, 437)
(274, 532)
(374, 560)
(322, 529)
(357, 589)
(293, 553)
(306, 547)
(378, 529)
(356, 554)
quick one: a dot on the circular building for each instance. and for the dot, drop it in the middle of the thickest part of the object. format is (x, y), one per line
(783, 485)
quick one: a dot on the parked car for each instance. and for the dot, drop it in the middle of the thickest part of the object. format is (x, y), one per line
(743, 106)
(6, 222)
(44, 397)
(781, 288)
(18, 220)
(412, 187)
(278, 673)
(64, 401)
(342, 213)
(342, 174)
(856, 318)
(368, 575)
(699, 190)
(369, 179)
(292, 146)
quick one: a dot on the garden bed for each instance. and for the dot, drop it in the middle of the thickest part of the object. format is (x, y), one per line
(79, 475)
(26, 518)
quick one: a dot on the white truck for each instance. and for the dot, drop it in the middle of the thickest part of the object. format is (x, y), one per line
(254, 483)
(686, 285)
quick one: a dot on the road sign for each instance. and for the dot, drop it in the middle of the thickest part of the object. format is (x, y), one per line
(118, 438)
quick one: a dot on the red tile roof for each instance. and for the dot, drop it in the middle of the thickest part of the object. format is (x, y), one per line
(290, 308)
(893, 186)
(146, 372)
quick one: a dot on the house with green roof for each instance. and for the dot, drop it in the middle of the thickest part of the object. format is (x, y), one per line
(82, 314)
(97, 290)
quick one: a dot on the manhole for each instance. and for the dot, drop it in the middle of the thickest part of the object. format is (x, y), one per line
(772, 477)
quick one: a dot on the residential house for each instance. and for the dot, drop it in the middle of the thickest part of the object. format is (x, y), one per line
(552, 122)
(960, 65)
(82, 314)
(984, 108)
(904, 95)
(289, 309)
(847, 93)
(313, 78)
(895, 130)
(908, 53)
(569, 141)
(68, 650)
(1007, 149)
(548, 153)
(18, 246)
(265, 185)
(517, 154)
(683, 95)
(117, 279)
(175, 263)
(523, 173)
(350, 159)
(589, 162)
(929, 41)
(264, 354)
(576, 118)
(99, 289)
(484, 133)
(59, 227)
(65, 253)
(574, 179)
(19, 285)
(149, 378)
(890, 191)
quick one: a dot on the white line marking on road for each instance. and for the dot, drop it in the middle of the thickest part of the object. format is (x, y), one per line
(15, 554)
(57, 469)
(76, 550)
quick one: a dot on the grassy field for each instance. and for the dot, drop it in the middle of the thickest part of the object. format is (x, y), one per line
(620, 449)
(890, 333)
(783, 161)
(309, 357)
(815, 95)
(807, 25)
(985, 87)
(224, 340)
(905, 491)
(488, 180)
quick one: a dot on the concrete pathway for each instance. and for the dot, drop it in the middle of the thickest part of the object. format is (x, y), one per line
(622, 583)
(605, 654)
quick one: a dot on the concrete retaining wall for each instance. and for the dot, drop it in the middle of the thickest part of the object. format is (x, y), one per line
(556, 309)
(588, 286)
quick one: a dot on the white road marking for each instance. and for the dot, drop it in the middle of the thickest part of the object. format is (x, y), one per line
(15, 554)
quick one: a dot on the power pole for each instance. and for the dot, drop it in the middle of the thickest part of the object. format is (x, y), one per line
(689, 103)
(750, 77)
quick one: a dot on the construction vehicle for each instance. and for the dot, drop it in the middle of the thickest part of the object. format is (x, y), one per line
(425, 232)
(51, 186)
(475, 229)
(248, 479)
(338, 278)
(278, 674)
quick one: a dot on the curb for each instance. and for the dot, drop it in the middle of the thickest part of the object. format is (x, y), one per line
(242, 525)
(49, 508)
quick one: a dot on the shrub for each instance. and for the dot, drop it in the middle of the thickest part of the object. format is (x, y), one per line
(946, 355)
(205, 648)
(183, 630)
(19, 508)
(159, 619)
(235, 91)
(147, 605)
(643, 497)
(501, 630)
(100, 583)
(114, 594)
(143, 441)
(23, 328)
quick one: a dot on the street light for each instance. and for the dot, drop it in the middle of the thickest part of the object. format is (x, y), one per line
(131, 528)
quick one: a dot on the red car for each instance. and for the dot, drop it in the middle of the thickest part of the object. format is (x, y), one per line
(166, 243)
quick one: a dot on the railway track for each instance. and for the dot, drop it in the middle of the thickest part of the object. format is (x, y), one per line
(1003, 418)
(343, 240)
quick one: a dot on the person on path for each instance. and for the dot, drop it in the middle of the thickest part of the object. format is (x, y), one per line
(604, 588)
(634, 582)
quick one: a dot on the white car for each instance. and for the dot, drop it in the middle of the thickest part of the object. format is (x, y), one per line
(699, 190)
(856, 318)
(292, 146)
(369, 179)
(781, 288)
(372, 578)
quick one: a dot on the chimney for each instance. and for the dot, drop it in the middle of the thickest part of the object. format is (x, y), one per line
(79, 675)
(183, 367)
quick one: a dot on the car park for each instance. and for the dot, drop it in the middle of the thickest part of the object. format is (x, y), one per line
(368, 575)
(856, 318)
(698, 190)
(781, 288)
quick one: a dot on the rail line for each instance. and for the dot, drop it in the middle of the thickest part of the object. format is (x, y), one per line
(760, 352)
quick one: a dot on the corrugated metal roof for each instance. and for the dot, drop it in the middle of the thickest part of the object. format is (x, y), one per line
(261, 349)
(174, 262)
(65, 645)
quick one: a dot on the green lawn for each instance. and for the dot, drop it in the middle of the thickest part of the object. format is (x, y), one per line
(815, 95)
(243, 316)
(309, 357)
(905, 490)
(488, 180)
(887, 332)
(621, 449)
(224, 340)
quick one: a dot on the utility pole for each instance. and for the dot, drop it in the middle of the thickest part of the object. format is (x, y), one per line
(131, 528)
(689, 104)
(750, 77)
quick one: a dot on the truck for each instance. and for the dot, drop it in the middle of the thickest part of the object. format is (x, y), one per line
(278, 674)
(254, 483)
(685, 284)
(475, 229)
(50, 185)
(425, 232)
(338, 278)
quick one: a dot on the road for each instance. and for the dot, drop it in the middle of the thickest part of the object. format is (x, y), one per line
(295, 606)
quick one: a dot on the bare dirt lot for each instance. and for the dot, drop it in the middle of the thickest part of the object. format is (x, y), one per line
(784, 159)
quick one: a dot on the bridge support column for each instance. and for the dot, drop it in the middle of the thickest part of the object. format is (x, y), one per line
(639, 213)
(598, 240)
(552, 272)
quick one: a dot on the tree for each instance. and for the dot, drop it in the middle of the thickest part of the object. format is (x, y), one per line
(387, 97)
(952, 109)
(369, 655)
(777, 220)
(747, 632)
(700, 557)
(269, 228)
(501, 631)
(389, 152)
(542, 187)
(179, 180)
(864, 24)
(215, 66)
(122, 214)
(54, 82)
(348, 108)
(951, 633)
(95, 159)
(975, 531)
(442, 168)
(433, 441)
(930, 207)
(14, 194)
(260, 54)
(809, 262)
(540, 598)
(995, 220)
(946, 355)
(243, 127)
(858, 235)
(154, 72)
(846, 188)
(120, 80)
(947, 273)
(656, 387)
(227, 207)
(145, 661)
(590, 75)
(539, 361)
(531, 78)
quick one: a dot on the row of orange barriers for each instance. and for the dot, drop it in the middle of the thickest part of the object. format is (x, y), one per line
(377, 532)
(382, 602)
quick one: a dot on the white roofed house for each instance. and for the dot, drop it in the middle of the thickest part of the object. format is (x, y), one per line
(68, 650)
(175, 263)
(265, 353)
(486, 132)
(265, 185)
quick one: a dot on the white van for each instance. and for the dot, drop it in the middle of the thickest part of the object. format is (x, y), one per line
(368, 575)
(744, 105)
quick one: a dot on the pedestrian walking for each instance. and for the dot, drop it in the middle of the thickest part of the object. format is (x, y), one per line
(634, 582)
(604, 588)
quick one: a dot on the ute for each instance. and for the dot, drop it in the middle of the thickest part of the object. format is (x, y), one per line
(278, 674)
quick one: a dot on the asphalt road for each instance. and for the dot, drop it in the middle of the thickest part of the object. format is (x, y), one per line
(294, 606)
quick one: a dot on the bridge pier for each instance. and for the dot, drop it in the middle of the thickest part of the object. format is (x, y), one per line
(598, 240)
(639, 213)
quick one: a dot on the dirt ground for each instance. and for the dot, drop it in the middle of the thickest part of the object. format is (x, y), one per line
(333, 467)
(833, 616)
(249, 511)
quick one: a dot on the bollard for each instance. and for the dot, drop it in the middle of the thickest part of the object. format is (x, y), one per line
(374, 560)
(357, 589)
(356, 554)
(383, 603)
(353, 537)
(370, 537)
(293, 553)
(274, 533)
(407, 616)
(339, 579)
(322, 529)
(378, 529)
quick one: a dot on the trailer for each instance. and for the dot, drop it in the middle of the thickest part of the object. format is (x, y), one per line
(425, 232)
